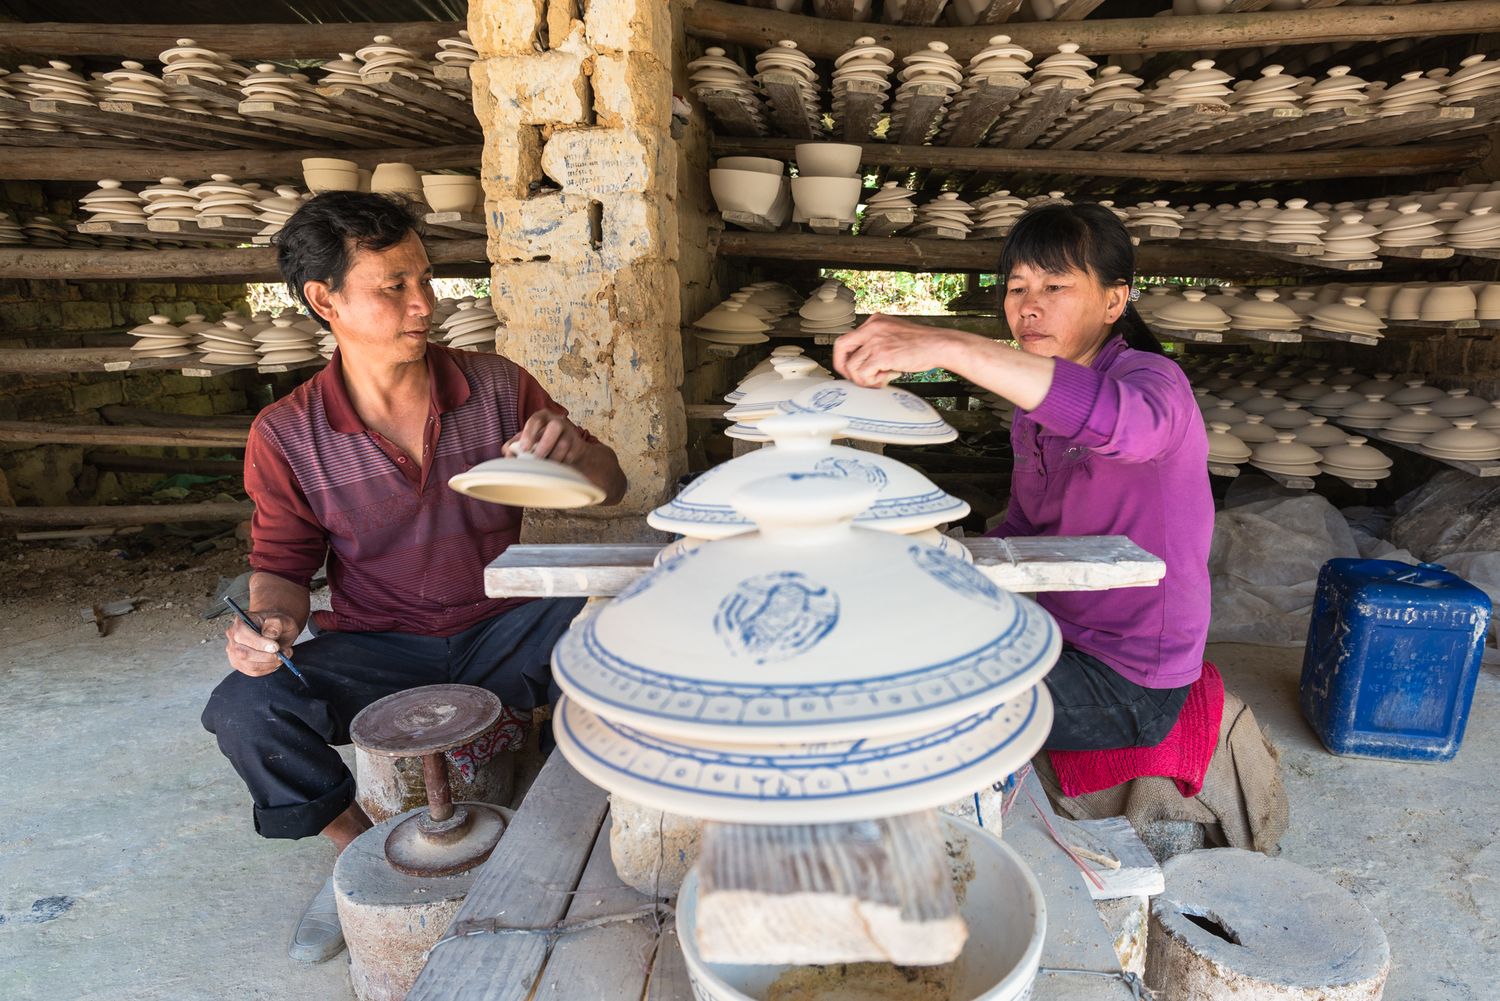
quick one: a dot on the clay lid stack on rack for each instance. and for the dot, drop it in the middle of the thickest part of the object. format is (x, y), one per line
(286, 343)
(161, 338)
(471, 326)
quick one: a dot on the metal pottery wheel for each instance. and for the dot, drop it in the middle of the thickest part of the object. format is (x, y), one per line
(424, 722)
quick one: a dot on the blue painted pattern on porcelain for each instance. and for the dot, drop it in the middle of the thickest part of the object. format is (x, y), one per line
(954, 574)
(776, 616)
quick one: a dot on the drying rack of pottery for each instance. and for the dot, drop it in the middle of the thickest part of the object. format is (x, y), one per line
(1302, 419)
(1004, 96)
(756, 313)
(381, 95)
(752, 192)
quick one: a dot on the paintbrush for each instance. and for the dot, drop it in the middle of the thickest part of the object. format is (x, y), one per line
(279, 655)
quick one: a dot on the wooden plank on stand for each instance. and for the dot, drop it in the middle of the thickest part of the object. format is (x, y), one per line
(1268, 336)
(205, 131)
(789, 109)
(1275, 138)
(460, 224)
(922, 115)
(1171, 123)
(527, 883)
(1224, 469)
(1238, 125)
(998, 12)
(917, 12)
(989, 101)
(416, 94)
(751, 221)
(404, 124)
(863, 891)
(861, 111)
(72, 115)
(1417, 253)
(887, 223)
(126, 514)
(313, 122)
(64, 360)
(1027, 123)
(50, 433)
(1366, 340)
(1393, 130)
(1100, 119)
(731, 117)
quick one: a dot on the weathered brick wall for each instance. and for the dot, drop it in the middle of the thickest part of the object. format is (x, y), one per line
(58, 314)
(581, 175)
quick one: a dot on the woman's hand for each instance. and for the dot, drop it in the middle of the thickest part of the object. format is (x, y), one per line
(884, 347)
(548, 435)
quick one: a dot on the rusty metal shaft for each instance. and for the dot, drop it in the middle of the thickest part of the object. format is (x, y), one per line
(439, 793)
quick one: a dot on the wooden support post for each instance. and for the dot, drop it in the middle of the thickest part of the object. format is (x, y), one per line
(992, 97)
(1026, 124)
(789, 108)
(866, 891)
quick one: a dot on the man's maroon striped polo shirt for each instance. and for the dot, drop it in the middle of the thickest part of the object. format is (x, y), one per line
(405, 553)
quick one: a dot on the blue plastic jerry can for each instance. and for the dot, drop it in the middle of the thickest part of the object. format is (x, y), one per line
(1393, 654)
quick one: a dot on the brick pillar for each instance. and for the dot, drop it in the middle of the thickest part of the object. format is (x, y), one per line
(580, 176)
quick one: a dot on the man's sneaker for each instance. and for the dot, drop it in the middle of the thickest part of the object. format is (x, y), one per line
(318, 936)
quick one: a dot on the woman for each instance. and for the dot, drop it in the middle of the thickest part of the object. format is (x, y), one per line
(1108, 441)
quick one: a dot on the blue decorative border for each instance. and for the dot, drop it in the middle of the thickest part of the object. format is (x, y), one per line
(688, 760)
(614, 681)
(937, 502)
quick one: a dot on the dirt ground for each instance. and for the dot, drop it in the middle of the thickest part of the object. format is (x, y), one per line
(129, 870)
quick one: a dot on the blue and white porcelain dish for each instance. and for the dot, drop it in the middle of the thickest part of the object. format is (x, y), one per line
(888, 414)
(906, 501)
(762, 398)
(808, 629)
(931, 536)
(879, 776)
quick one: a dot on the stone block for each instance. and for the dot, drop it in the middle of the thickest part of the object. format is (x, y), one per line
(506, 28)
(589, 525)
(545, 88)
(87, 316)
(638, 227)
(93, 395)
(609, 161)
(648, 294)
(19, 316)
(645, 361)
(630, 26)
(12, 289)
(200, 404)
(652, 850)
(228, 401)
(143, 387)
(632, 89)
(102, 291)
(512, 158)
(25, 194)
(151, 291)
(552, 226)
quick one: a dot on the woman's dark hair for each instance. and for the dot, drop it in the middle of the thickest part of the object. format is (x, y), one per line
(319, 240)
(1058, 238)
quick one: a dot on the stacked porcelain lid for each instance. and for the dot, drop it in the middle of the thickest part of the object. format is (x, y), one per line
(866, 65)
(765, 370)
(1347, 316)
(159, 337)
(457, 50)
(714, 72)
(188, 58)
(1262, 312)
(1158, 215)
(471, 326)
(810, 671)
(289, 339)
(745, 316)
(113, 203)
(11, 234)
(383, 56)
(1190, 312)
(228, 343)
(892, 201)
(929, 69)
(995, 214)
(886, 414)
(1000, 57)
(45, 231)
(785, 57)
(829, 310)
(946, 217)
(220, 197)
(132, 82)
(272, 213)
(170, 198)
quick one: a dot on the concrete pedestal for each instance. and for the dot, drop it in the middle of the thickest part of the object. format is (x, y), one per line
(390, 919)
(387, 786)
(1233, 924)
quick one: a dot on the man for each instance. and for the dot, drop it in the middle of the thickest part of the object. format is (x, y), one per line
(353, 467)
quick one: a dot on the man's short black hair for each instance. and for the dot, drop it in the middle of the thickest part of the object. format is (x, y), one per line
(319, 240)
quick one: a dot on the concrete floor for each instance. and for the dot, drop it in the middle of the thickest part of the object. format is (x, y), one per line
(129, 869)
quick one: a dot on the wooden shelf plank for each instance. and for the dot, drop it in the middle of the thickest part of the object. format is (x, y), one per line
(1237, 125)
(1099, 119)
(1167, 124)
(312, 122)
(238, 264)
(1267, 141)
(205, 131)
(1484, 469)
(51, 433)
(1289, 252)
(1024, 125)
(1077, 10)
(72, 115)
(293, 40)
(820, 38)
(991, 98)
(1394, 130)
(1267, 336)
(415, 93)
(998, 12)
(1311, 165)
(1487, 253)
(1223, 469)
(126, 514)
(462, 224)
(1365, 340)
(730, 116)
(918, 12)
(789, 108)
(886, 223)
(1417, 253)
(1289, 482)
(405, 125)
(64, 360)
(1188, 336)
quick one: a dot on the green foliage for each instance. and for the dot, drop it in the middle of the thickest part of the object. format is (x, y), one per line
(900, 291)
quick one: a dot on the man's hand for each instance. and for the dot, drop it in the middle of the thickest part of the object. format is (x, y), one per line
(256, 655)
(548, 435)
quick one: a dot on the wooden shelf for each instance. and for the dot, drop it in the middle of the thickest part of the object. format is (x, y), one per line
(243, 41)
(51, 433)
(716, 22)
(1192, 258)
(247, 264)
(1311, 165)
(1481, 469)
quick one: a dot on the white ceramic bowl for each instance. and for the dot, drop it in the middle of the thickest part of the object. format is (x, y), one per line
(828, 159)
(826, 197)
(451, 193)
(759, 164)
(744, 190)
(322, 173)
(1003, 907)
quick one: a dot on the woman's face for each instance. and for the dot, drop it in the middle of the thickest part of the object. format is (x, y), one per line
(1061, 315)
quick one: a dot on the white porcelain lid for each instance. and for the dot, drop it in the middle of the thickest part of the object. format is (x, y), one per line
(905, 500)
(808, 629)
(806, 783)
(526, 481)
(888, 414)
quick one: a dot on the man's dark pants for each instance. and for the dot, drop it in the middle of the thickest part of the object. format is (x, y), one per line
(279, 734)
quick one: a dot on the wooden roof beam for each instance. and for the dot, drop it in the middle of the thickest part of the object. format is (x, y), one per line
(241, 41)
(49, 163)
(718, 21)
(1312, 165)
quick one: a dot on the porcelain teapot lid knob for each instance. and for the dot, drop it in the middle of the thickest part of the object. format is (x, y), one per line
(1219, 426)
(793, 368)
(1286, 436)
(802, 505)
(803, 429)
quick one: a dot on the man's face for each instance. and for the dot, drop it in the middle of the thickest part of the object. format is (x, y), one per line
(384, 307)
